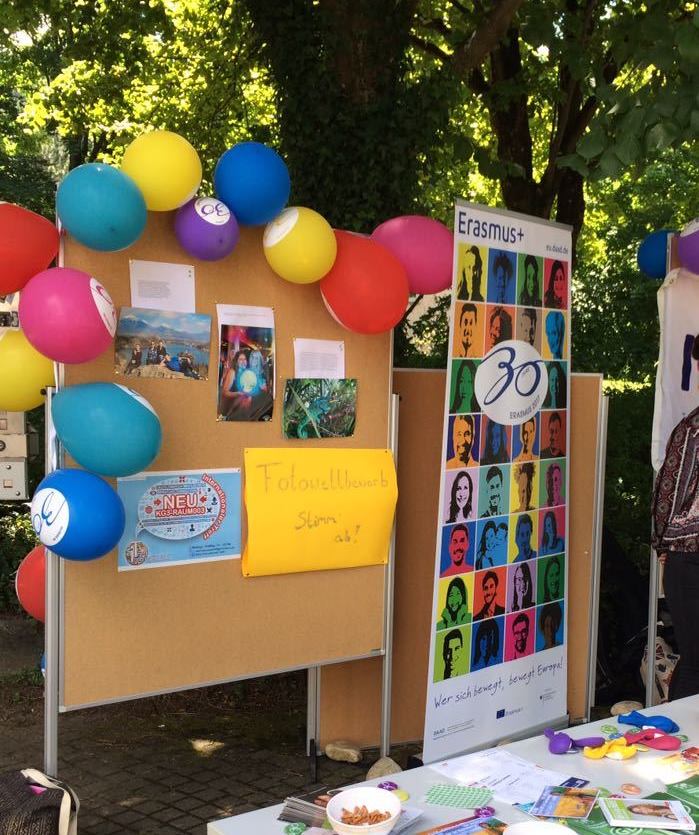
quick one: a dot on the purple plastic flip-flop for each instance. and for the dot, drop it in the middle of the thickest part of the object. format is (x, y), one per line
(562, 743)
(559, 743)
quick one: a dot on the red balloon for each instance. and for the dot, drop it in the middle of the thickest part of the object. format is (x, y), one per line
(29, 583)
(367, 288)
(28, 244)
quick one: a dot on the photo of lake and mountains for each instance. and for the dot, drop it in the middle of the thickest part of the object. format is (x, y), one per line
(163, 344)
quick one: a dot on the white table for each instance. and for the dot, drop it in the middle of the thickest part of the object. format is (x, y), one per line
(607, 773)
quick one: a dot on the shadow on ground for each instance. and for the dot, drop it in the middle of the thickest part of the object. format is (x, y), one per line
(171, 763)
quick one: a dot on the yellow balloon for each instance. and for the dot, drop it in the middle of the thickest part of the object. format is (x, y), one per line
(23, 373)
(165, 167)
(300, 245)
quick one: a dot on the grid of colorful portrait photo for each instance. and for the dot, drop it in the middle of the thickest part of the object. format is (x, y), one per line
(502, 536)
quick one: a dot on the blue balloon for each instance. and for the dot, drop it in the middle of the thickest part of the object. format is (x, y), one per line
(101, 207)
(107, 428)
(77, 514)
(253, 181)
(652, 253)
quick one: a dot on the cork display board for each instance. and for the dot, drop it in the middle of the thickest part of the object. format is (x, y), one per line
(135, 633)
(585, 403)
(350, 705)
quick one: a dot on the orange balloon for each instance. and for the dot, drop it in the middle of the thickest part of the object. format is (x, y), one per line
(30, 583)
(367, 288)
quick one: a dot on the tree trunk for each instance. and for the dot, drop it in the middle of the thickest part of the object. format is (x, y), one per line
(339, 70)
(570, 207)
(77, 150)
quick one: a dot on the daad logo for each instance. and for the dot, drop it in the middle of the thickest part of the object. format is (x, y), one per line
(511, 382)
(50, 515)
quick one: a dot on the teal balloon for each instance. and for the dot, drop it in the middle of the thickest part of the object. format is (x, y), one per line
(652, 253)
(101, 207)
(108, 429)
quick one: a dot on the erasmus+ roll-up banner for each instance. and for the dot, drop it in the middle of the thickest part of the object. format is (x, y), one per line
(498, 647)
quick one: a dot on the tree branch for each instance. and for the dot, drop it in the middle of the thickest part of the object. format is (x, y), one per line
(567, 133)
(579, 124)
(412, 307)
(430, 48)
(582, 118)
(99, 146)
(436, 25)
(486, 37)
(460, 6)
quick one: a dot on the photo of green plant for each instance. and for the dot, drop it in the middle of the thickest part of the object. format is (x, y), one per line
(319, 408)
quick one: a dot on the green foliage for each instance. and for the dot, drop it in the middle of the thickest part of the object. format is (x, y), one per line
(652, 61)
(26, 180)
(16, 540)
(96, 74)
(615, 323)
(629, 475)
(422, 339)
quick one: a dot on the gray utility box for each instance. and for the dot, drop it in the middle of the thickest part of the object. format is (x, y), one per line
(13, 479)
(13, 457)
(13, 423)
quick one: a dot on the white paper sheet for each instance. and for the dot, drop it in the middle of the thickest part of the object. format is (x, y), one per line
(319, 359)
(160, 286)
(245, 314)
(512, 779)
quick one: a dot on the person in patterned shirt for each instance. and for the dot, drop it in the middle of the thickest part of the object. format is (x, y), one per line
(676, 541)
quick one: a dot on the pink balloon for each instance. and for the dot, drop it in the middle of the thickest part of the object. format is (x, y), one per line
(424, 247)
(67, 315)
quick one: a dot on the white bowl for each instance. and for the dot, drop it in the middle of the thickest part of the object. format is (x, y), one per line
(374, 799)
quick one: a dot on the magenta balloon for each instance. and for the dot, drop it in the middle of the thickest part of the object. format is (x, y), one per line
(424, 247)
(688, 247)
(206, 228)
(67, 315)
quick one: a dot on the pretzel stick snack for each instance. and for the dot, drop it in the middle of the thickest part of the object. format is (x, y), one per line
(361, 815)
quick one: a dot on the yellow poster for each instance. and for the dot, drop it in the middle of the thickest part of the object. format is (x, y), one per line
(315, 509)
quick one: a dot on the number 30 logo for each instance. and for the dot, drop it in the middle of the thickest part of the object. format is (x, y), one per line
(511, 382)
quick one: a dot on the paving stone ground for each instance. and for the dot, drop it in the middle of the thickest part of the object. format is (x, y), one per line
(172, 763)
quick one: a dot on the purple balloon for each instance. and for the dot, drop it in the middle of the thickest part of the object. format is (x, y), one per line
(688, 247)
(206, 228)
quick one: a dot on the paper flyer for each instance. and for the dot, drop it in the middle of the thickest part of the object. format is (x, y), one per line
(564, 802)
(179, 517)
